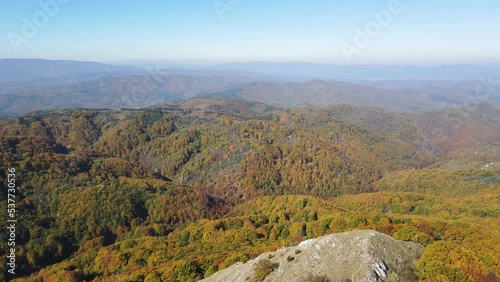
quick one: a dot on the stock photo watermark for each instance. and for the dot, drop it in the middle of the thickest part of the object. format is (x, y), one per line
(153, 74)
(11, 220)
(364, 36)
(31, 26)
(485, 91)
(222, 7)
(486, 87)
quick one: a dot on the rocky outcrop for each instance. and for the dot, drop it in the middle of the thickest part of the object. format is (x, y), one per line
(361, 255)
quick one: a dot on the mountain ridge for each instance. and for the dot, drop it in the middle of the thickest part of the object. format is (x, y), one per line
(146, 90)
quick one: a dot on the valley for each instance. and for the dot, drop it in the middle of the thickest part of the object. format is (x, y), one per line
(176, 192)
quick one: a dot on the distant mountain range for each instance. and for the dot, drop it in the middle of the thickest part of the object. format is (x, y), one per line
(367, 72)
(47, 71)
(320, 93)
(146, 90)
(58, 70)
(34, 84)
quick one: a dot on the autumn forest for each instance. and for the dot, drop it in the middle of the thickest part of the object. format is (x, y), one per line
(178, 191)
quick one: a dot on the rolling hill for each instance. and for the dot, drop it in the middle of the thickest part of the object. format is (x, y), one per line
(178, 191)
(149, 89)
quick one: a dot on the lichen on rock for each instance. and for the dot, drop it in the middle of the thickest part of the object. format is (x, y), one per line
(360, 255)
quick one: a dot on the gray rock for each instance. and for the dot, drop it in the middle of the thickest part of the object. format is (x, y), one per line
(361, 255)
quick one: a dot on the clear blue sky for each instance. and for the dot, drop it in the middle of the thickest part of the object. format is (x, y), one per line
(192, 31)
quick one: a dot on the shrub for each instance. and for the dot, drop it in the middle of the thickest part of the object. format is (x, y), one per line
(263, 268)
(290, 258)
(411, 233)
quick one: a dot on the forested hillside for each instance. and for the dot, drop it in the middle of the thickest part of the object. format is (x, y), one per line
(150, 88)
(177, 192)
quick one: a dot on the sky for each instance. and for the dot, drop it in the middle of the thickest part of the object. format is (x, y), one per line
(388, 32)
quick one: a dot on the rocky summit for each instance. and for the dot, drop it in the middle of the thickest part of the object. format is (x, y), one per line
(361, 255)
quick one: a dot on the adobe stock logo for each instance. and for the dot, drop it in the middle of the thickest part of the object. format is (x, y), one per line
(31, 26)
(364, 36)
(486, 88)
(222, 7)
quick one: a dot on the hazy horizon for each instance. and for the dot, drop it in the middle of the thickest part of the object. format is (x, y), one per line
(167, 64)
